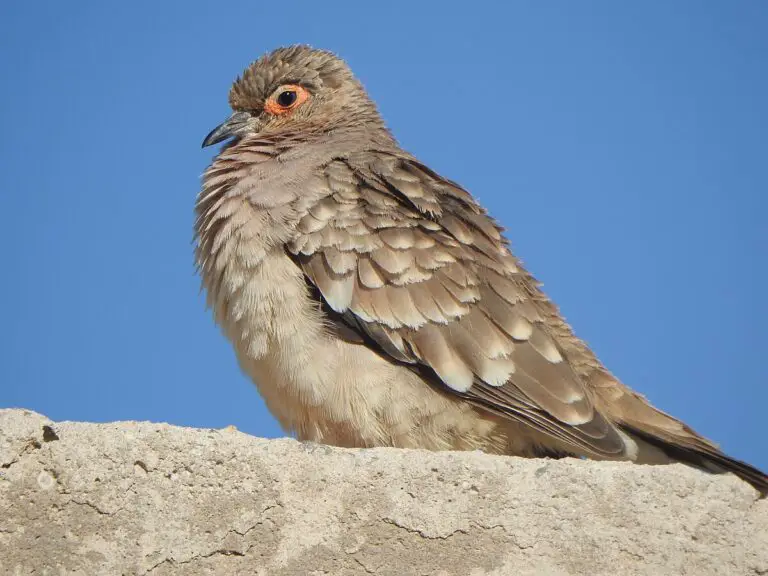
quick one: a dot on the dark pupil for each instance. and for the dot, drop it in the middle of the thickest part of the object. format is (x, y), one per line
(286, 98)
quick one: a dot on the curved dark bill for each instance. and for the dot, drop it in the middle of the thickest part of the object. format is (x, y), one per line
(234, 125)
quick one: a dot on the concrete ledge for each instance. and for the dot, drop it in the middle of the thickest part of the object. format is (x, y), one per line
(143, 498)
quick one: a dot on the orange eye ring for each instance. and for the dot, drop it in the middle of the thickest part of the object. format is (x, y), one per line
(285, 99)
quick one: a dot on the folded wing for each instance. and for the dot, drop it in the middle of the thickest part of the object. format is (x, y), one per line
(411, 263)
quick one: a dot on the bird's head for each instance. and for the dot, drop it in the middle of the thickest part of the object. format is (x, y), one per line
(296, 90)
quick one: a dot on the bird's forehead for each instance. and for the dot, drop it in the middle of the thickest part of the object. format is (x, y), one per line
(316, 69)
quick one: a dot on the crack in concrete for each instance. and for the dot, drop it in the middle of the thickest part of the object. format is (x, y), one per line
(363, 566)
(93, 507)
(196, 557)
(31, 445)
(220, 549)
(421, 533)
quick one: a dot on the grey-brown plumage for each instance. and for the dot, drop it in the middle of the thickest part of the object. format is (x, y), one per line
(375, 303)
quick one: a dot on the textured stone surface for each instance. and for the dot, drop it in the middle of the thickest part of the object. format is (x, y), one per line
(142, 498)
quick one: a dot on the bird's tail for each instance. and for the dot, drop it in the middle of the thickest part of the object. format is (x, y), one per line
(693, 450)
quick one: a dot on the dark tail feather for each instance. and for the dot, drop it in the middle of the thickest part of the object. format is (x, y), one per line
(704, 458)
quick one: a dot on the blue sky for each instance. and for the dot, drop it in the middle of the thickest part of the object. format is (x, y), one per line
(623, 145)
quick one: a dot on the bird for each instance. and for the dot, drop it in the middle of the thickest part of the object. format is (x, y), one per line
(375, 302)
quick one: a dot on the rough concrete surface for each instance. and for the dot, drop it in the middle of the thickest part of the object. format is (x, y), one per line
(143, 498)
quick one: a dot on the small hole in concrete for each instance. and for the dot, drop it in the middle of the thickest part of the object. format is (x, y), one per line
(49, 434)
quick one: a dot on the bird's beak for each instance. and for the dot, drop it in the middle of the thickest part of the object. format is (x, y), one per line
(233, 126)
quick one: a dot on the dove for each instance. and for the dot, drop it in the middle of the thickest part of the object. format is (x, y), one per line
(374, 302)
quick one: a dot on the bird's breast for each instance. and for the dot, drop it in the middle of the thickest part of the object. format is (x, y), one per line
(261, 302)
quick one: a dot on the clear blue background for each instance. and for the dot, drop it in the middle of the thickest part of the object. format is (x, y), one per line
(624, 145)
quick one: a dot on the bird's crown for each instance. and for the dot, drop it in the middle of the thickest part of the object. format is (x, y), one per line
(299, 64)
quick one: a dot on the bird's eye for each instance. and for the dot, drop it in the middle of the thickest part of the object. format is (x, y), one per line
(287, 98)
